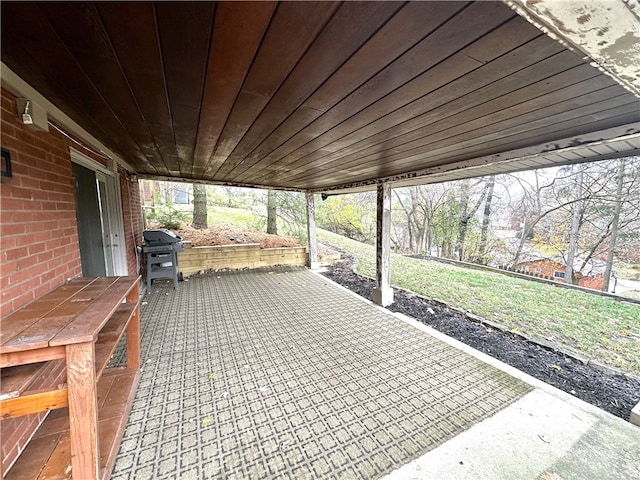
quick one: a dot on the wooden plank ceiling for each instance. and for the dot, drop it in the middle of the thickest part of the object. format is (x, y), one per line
(309, 95)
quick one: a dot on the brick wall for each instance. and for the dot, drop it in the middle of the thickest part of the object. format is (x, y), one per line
(133, 225)
(38, 234)
(596, 281)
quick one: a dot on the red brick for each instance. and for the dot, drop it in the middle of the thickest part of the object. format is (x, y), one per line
(8, 130)
(40, 236)
(20, 192)
(30, 182)
(24, 298)
(10, 293)
(13, 229)
(8, 268)
(9, 203)
(7, 242)
(15, 253)
(35, 248)
(27, 262)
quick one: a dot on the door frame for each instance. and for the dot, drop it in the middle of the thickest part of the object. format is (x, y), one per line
(113, 209)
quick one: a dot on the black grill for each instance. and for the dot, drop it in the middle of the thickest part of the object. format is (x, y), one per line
(161, 248)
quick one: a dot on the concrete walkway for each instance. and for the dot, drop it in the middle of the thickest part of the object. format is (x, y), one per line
(547, 434)
(284, 374)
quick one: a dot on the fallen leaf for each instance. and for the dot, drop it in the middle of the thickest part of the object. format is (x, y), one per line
(284, 444)
(206, 421)
(550, 476)
(211, 375)
(557, 367)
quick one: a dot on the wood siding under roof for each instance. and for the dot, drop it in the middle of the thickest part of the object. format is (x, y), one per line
(311, 95)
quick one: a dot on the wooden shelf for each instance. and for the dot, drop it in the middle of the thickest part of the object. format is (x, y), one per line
(16, 380)
(48, 454)
(21, 394)
(80, 325)
(110, 335)
(19, 398)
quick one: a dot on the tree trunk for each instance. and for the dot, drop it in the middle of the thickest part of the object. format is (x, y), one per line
(570, 276)
(409, 211)
(199, 206)
(272, 214)
(486, 217)
(614, 227)
(464, 218)
(466, 214)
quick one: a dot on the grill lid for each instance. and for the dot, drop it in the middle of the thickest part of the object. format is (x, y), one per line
(161, 236)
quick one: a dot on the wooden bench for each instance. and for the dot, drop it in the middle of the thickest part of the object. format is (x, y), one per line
(78, 324)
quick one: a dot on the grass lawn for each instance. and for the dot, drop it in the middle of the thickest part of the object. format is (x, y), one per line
(600, 328)
(235, 216)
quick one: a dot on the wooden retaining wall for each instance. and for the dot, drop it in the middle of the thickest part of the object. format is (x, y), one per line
(234, 257)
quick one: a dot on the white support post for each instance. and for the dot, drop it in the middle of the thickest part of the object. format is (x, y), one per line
(311, 231)
(383, 293)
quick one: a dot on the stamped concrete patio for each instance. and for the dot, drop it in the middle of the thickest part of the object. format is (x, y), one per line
(283, 374)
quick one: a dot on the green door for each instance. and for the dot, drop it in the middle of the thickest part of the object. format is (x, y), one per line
(89, 222)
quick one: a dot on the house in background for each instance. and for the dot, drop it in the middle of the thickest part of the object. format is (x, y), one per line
(592, 276)
(166, 192)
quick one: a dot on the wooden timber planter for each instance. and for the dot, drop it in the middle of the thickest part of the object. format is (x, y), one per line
(235, 257)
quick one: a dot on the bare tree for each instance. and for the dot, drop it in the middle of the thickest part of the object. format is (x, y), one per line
(536, 204)
(466, 213)
(486, 219)
(581, 212)
(614, 226)
(576, 220)
(419, 206)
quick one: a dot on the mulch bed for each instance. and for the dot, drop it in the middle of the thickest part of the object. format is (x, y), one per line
(617, 394)
(232, 235)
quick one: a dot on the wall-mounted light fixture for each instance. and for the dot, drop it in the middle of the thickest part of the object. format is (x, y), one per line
(131, 177)
(26, 117)
(32, 114)
(6, 163)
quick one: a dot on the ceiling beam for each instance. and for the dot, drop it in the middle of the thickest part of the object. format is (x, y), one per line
(629, 133)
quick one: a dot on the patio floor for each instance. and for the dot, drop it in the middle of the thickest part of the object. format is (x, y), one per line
(283, 374)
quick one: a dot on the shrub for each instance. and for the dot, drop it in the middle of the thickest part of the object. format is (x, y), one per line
(166, 216)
